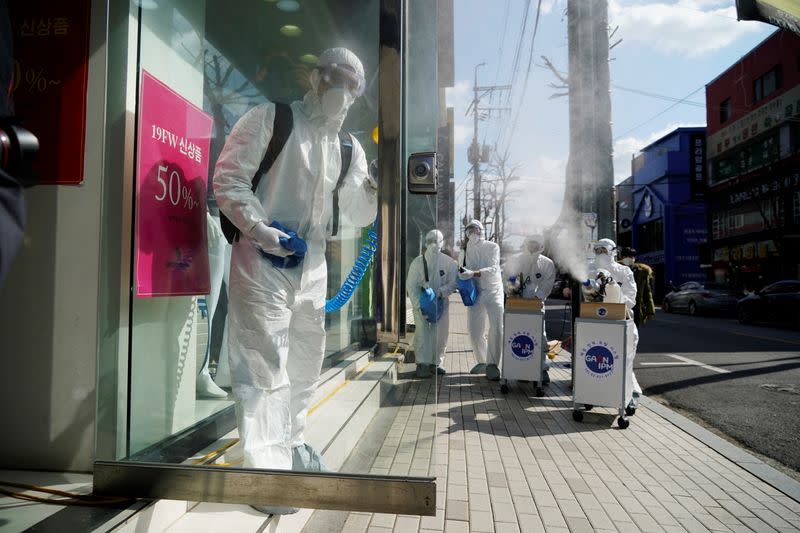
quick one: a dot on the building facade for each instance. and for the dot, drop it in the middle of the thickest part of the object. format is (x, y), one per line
(753, 115)
(661, 208)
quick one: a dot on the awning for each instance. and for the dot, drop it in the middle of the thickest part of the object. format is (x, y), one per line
(781, 13)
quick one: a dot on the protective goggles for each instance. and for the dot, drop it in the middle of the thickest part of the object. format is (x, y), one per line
(342, 77)
(600, 250)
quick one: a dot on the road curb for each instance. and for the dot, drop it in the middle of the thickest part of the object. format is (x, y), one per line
(752, 464)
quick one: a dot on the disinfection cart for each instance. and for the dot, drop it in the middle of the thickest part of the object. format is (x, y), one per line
(523, 353)
(602, 372)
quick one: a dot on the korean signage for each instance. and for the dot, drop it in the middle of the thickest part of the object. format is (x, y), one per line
(748, 158)
(769, 115)
(51, 51)
(171, 175)
(773, 186)
(697, 164)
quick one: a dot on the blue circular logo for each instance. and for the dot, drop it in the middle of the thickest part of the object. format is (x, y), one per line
(602, 311)
(522, 346)
(599, 360)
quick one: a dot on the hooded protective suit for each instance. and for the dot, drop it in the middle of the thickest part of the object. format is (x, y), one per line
(276, 316)
(484, 256)
(430, 340)
(624, 276)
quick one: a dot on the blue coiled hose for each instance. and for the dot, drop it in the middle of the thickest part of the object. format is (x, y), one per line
(365, 257)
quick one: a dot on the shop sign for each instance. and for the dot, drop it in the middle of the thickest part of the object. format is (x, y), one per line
(722, 254)
(51, 68)
(766, 249)
(697, 164)
(776, 111)
(171, 175)
(651, 258)
(769, 186)
(696, 235)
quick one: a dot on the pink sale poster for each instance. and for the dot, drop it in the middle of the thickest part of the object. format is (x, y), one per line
(171, 255)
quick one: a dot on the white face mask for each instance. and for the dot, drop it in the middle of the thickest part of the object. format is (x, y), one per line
(628, 261)
(474, 238)
(336, 101)
(435, 246)
(603, 259)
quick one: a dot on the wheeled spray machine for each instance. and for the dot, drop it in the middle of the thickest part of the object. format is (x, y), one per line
(523, 346)
(602, 369)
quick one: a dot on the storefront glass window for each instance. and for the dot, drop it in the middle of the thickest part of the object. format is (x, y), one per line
(216, 325)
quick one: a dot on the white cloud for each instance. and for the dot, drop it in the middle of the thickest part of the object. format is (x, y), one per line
(690, 27)
(627, 147)
(459, 97)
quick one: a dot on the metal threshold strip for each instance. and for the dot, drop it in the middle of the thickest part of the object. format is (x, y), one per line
(342, 492)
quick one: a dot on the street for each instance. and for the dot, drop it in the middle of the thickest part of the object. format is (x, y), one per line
(741, 380)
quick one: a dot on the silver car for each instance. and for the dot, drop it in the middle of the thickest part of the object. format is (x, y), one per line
(702, 298)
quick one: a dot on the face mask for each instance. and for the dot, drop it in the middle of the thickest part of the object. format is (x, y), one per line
(336, 101)
(435, 246)
(628, 261)
(603, 259)
(474, 238)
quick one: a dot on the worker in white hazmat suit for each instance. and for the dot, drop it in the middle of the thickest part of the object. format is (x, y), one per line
(535, 274)
(276, 316)
(605, 250)
(480, 259)
(437, 271)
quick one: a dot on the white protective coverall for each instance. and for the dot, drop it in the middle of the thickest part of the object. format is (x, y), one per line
(624, 276)
(276, 316)
(484, 256)
(537, 271)
(430, 340)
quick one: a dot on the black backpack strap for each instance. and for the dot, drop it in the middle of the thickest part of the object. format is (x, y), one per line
(346, 149)
(425, 266)
(281, 130)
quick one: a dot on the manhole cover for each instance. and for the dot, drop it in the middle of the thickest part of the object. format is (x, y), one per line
(791, 389)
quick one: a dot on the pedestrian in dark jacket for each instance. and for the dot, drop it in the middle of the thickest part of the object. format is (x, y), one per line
(643, 275)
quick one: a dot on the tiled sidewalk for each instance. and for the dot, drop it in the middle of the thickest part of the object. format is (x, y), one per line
(509, 463)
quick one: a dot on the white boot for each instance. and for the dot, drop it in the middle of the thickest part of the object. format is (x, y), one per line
(206, 388)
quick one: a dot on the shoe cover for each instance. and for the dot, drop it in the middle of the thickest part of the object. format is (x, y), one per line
(206, 388)
(480, 368)
(423, 371)
(492, 372)
(306, 459)
(268, 509)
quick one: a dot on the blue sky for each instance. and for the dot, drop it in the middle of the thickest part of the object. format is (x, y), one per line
(669, 48)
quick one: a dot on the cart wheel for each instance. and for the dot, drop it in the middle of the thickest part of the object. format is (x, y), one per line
(539, 392)
(630, 410)
(588, 406)
(623, 423)
(504, 388)
(577, 416)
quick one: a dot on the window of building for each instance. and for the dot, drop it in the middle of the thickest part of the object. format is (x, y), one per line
(767, 84)
(725, 110)
(651, 236)
(797, 207)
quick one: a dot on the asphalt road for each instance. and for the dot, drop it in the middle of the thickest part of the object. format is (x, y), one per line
(743, 381)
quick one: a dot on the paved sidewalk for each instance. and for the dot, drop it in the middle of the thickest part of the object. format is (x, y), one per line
(517, 463)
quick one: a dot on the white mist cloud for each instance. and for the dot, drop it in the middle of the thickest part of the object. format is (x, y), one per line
(690, 27)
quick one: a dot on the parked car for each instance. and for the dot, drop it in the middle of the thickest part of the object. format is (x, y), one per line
(778, 303)
(697, 298)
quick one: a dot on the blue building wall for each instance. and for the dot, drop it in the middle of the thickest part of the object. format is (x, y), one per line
(669, 221)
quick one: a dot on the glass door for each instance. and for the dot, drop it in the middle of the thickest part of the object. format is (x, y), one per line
(251, 373)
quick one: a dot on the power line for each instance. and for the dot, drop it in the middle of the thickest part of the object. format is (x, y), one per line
(659, 113)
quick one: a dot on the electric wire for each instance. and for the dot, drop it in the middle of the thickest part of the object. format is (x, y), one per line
(619, 136)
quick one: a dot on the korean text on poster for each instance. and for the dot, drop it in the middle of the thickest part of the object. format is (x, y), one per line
(172, 171)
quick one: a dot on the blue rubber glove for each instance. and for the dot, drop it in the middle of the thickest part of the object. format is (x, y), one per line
(292, 243)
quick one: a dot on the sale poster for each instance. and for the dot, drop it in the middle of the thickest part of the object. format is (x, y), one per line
(171, 255)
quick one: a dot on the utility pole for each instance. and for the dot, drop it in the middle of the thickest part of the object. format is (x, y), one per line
(478, 154)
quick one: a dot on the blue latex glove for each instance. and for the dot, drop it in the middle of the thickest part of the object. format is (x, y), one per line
(293, 243)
